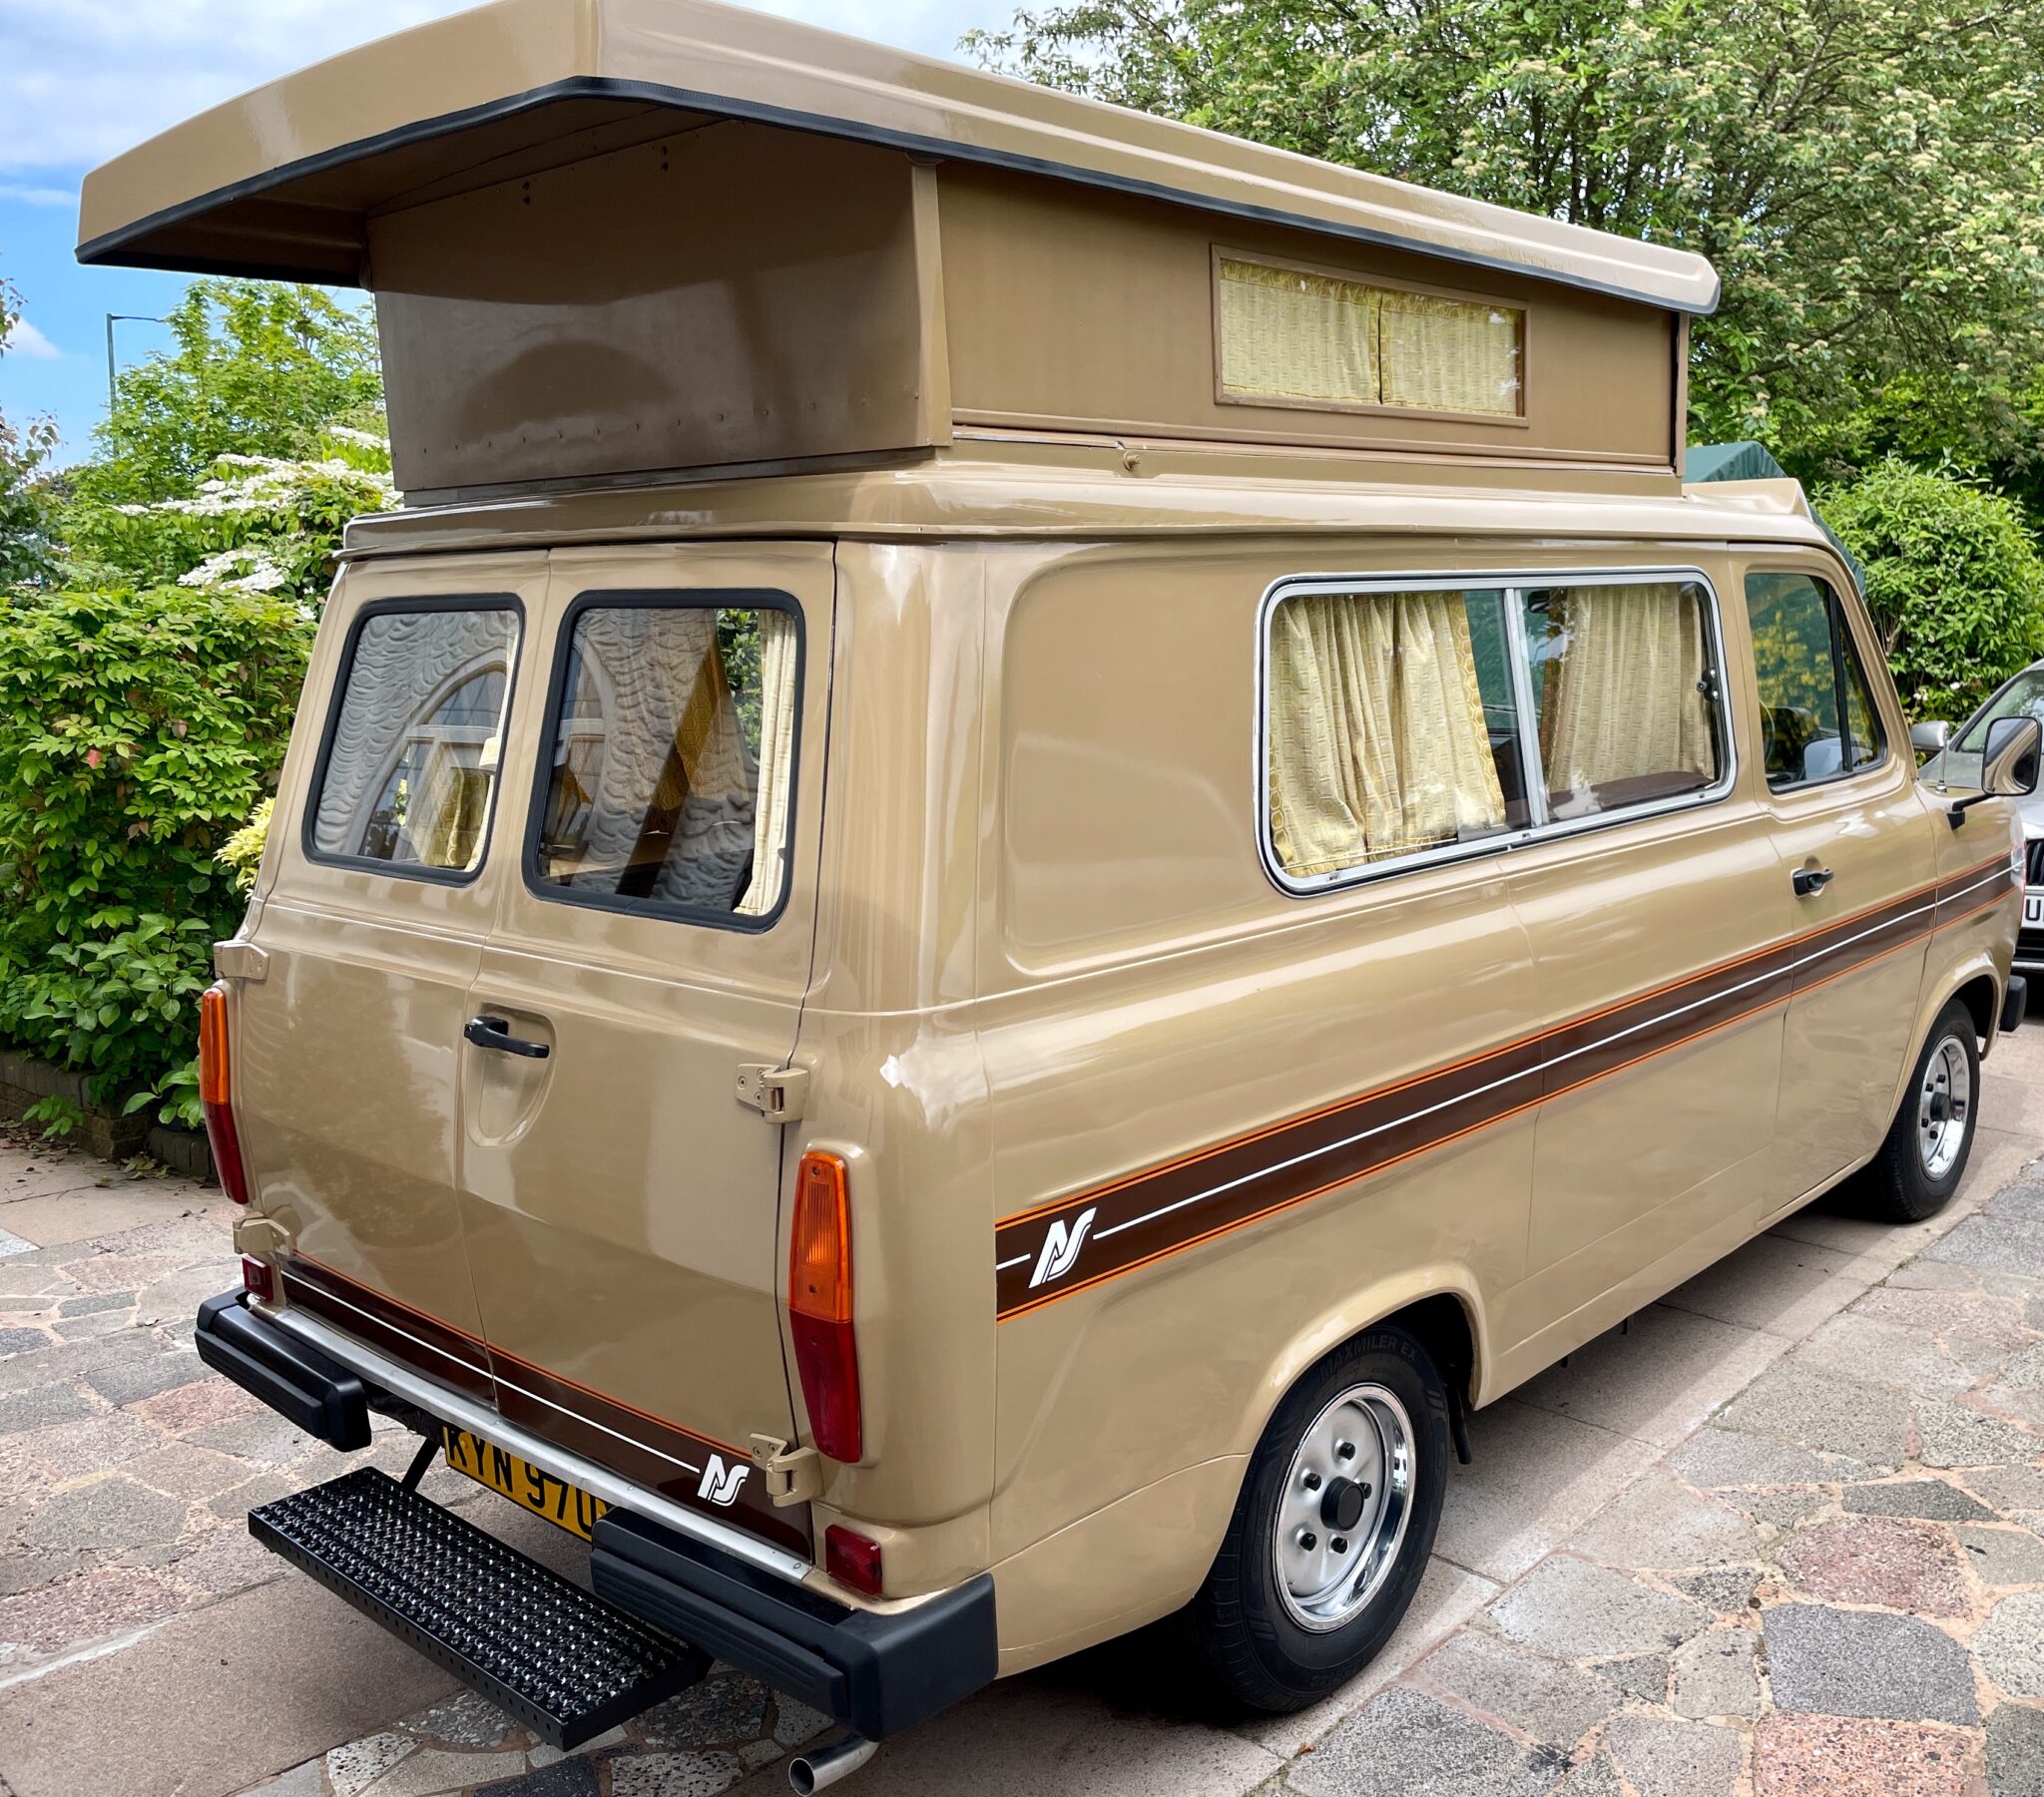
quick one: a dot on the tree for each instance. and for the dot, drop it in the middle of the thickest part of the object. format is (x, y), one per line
(26, 554)
(260, 370)
(1953, 581)
(1865, 174)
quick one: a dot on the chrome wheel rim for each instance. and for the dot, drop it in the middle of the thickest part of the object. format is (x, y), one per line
(1342, 1512)
(1944, 1108)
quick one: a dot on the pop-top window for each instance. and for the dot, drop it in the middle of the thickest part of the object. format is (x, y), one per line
(413, 746)
(672, 762)
(1294, 336)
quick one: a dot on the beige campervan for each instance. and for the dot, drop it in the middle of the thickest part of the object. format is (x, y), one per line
(1042, 836)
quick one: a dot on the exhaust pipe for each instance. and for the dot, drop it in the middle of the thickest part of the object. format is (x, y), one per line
(820, 1766)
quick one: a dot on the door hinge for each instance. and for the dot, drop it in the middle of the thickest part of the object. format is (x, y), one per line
(776, 1093)
(234, 960)
(259, 1236)
(790, 1475)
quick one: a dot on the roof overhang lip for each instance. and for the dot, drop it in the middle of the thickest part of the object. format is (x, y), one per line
(1689, 285)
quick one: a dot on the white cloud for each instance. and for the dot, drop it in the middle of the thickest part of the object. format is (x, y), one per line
(23, 194)
(24, 339)
(86, 79)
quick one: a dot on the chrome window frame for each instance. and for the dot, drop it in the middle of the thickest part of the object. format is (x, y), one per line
(1512, 584)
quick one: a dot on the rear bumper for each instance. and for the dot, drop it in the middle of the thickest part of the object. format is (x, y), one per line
(298, 1382)
(875, 1673)
(2015, 999)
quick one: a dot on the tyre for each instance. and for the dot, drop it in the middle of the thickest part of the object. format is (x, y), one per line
(1333, 1526)
(1923, 1157)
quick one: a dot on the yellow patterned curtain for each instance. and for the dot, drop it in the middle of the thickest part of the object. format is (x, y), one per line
(776, 762)
(1289, 336)
(1377, 738)
(1623, 698)
(1450, 355)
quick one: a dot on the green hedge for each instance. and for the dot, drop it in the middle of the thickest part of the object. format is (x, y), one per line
(1953, 579)
(138, 730)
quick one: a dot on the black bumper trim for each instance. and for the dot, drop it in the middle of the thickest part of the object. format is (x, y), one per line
(298, 1382)
(2014, 1002)
(877, 1674)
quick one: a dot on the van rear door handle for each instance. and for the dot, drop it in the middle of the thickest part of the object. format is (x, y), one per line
(1808, 881)
(495, 1033)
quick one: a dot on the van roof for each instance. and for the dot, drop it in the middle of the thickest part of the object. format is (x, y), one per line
(282, 181)
(994, 489)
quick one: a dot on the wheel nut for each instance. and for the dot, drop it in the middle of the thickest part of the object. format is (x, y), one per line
(1344, 1450)
(1308, 1540)
(1364, 1488)
(1340, 1544)
(1312, 1482)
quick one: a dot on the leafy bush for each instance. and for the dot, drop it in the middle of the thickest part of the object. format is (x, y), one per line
(1953, 580)
(138, 729)
(241, 853)
(259, 369)
(259, 523)
(26, 549)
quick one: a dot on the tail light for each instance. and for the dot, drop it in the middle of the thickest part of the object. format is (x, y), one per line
(216, 1093)
(820, 1307)
(852, 1560)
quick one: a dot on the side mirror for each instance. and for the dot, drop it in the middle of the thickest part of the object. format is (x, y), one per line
(1928, 739)
(2008, 767)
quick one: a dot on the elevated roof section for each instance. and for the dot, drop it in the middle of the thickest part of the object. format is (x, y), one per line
(283, 182)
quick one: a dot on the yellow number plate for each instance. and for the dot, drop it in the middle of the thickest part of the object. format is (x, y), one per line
(565, 1506)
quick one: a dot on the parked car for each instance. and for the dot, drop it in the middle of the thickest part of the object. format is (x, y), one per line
(1953, 758)
(1042, 836)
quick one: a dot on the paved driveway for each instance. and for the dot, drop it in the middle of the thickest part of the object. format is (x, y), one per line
(1782, 1536)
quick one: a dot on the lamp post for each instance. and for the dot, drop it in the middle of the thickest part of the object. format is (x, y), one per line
(114, 318)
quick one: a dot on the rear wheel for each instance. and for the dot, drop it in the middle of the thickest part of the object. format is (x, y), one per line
(1925, 1156)
(1333, 1526)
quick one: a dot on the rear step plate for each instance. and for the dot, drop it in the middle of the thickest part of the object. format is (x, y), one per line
(566, 1664)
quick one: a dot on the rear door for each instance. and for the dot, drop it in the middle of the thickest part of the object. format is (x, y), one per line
(655, 939)
(347, 1048)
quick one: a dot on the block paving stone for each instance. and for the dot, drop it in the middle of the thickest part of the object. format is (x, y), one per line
(1832, 1586)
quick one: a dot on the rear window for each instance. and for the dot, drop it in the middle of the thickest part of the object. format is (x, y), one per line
(408, 769)
(672, 769)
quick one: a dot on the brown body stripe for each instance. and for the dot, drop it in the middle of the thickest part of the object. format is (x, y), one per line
(1127, 1223)
(663, 1456)
(438, 1350)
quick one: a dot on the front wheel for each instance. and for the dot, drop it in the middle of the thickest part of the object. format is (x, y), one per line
(1924, 1154)
(1333, 1526)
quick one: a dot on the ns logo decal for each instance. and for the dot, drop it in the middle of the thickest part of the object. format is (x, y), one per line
(720, 1483)
(1061, 1247)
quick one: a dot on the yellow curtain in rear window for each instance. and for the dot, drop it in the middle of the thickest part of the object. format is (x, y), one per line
(1308, 339)
(1378, 740)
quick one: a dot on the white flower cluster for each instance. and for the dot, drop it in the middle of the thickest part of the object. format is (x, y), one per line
(246, 569)
(271, 484)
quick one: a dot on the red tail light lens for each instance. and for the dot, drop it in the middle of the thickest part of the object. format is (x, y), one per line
(820, 1307)
(214, 1092)
(851, 1559)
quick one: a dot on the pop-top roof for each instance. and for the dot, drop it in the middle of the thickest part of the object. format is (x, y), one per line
(280, 182)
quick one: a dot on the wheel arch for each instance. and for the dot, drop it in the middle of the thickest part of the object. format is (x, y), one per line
(1442, 1305)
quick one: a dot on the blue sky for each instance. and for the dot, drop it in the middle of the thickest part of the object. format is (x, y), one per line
(82, 80)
